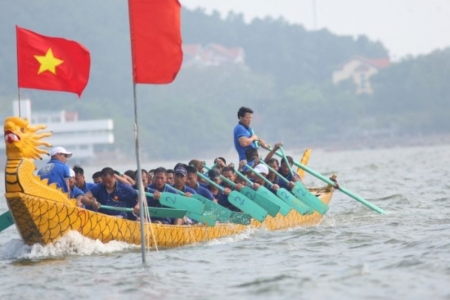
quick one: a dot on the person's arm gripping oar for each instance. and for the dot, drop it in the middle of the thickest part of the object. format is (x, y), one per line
(224, 214)
(241, 202)
(284, 207)
(258, 196)
(180, 202)
(290, 199)
(207, 217)
(303, 193)
(332, 183)
(154, 211)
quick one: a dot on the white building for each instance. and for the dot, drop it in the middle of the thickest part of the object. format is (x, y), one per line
(76, 136)
(359, 69)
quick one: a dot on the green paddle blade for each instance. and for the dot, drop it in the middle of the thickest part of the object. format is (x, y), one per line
(207, 218)
(154, 211)
(304, 195)
(240, 218)
(284, 208)
(261, 200)
(296, 204)
(6, 220)
(166, 212)
(247, 205)
(181, 202)
(222, 214)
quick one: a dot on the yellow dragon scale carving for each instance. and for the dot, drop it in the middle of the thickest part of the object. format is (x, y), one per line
(43, 213)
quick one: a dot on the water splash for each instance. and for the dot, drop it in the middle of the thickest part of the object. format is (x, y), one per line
(73, 243)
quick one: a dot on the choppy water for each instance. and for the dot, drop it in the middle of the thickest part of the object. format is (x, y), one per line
(354, 253)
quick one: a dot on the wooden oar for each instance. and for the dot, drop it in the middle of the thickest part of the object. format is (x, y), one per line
(242, 202)
(154, 211)
(332, 183)
(286, 196)
(261, 196)
(6, 220)
(222, 214)
(207, 217)
(303, 193)
(180, 202)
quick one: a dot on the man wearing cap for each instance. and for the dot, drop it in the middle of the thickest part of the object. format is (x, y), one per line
(180, 184)
(244, 138)
(56, 170)
(264, 171)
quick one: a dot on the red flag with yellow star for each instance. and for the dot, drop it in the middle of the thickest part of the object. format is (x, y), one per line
(51, 63)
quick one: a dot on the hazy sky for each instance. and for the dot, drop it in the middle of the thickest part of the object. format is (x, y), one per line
(403, 26)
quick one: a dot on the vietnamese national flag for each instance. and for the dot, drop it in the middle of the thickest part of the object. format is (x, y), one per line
(155, 40)
(51, 63)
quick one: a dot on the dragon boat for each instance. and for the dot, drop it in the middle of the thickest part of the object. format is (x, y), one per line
(43, 213)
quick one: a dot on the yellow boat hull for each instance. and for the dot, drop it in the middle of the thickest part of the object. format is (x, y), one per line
(44, 221)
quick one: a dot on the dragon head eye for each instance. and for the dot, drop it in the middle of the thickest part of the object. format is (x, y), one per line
(22, 130)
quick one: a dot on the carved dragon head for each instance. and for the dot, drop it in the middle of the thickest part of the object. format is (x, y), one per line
(21, 139)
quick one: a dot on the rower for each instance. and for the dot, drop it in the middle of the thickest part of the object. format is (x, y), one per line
(230, 174)
(112, 192)
(263, 171)
(75, 192)
(158, 186)
(170, 176)
(80, 181)
(214, 175)
(192, 182)
(97, 177)
(180, 184)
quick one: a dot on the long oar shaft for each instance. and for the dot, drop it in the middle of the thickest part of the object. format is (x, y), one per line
(287, 162)
(330, 182)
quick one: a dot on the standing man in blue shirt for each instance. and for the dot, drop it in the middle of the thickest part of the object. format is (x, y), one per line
(56, 170)
(244, 138)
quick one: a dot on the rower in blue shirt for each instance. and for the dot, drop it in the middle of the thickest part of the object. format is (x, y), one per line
(192, 182)
(180, 185)
(158, 186)
(80, 180)
(112, 192)
(75, 193)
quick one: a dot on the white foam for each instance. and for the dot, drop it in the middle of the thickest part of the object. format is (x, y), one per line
(232, 238)
(73, 243)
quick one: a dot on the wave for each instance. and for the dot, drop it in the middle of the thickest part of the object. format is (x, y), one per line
(73, 243)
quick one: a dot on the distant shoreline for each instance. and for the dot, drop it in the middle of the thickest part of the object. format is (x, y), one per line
(382, 142)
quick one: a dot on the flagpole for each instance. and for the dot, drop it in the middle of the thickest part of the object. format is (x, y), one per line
(18, 100)
(139, 175)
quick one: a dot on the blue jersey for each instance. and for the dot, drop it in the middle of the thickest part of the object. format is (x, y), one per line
(202, 191)
(223, 201)
(240, 131)
(87, 186)
(122, 196)
(75, 192)
(155, 203)
(56, 172)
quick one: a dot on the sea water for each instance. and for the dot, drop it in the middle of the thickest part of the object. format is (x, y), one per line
(354, 253)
